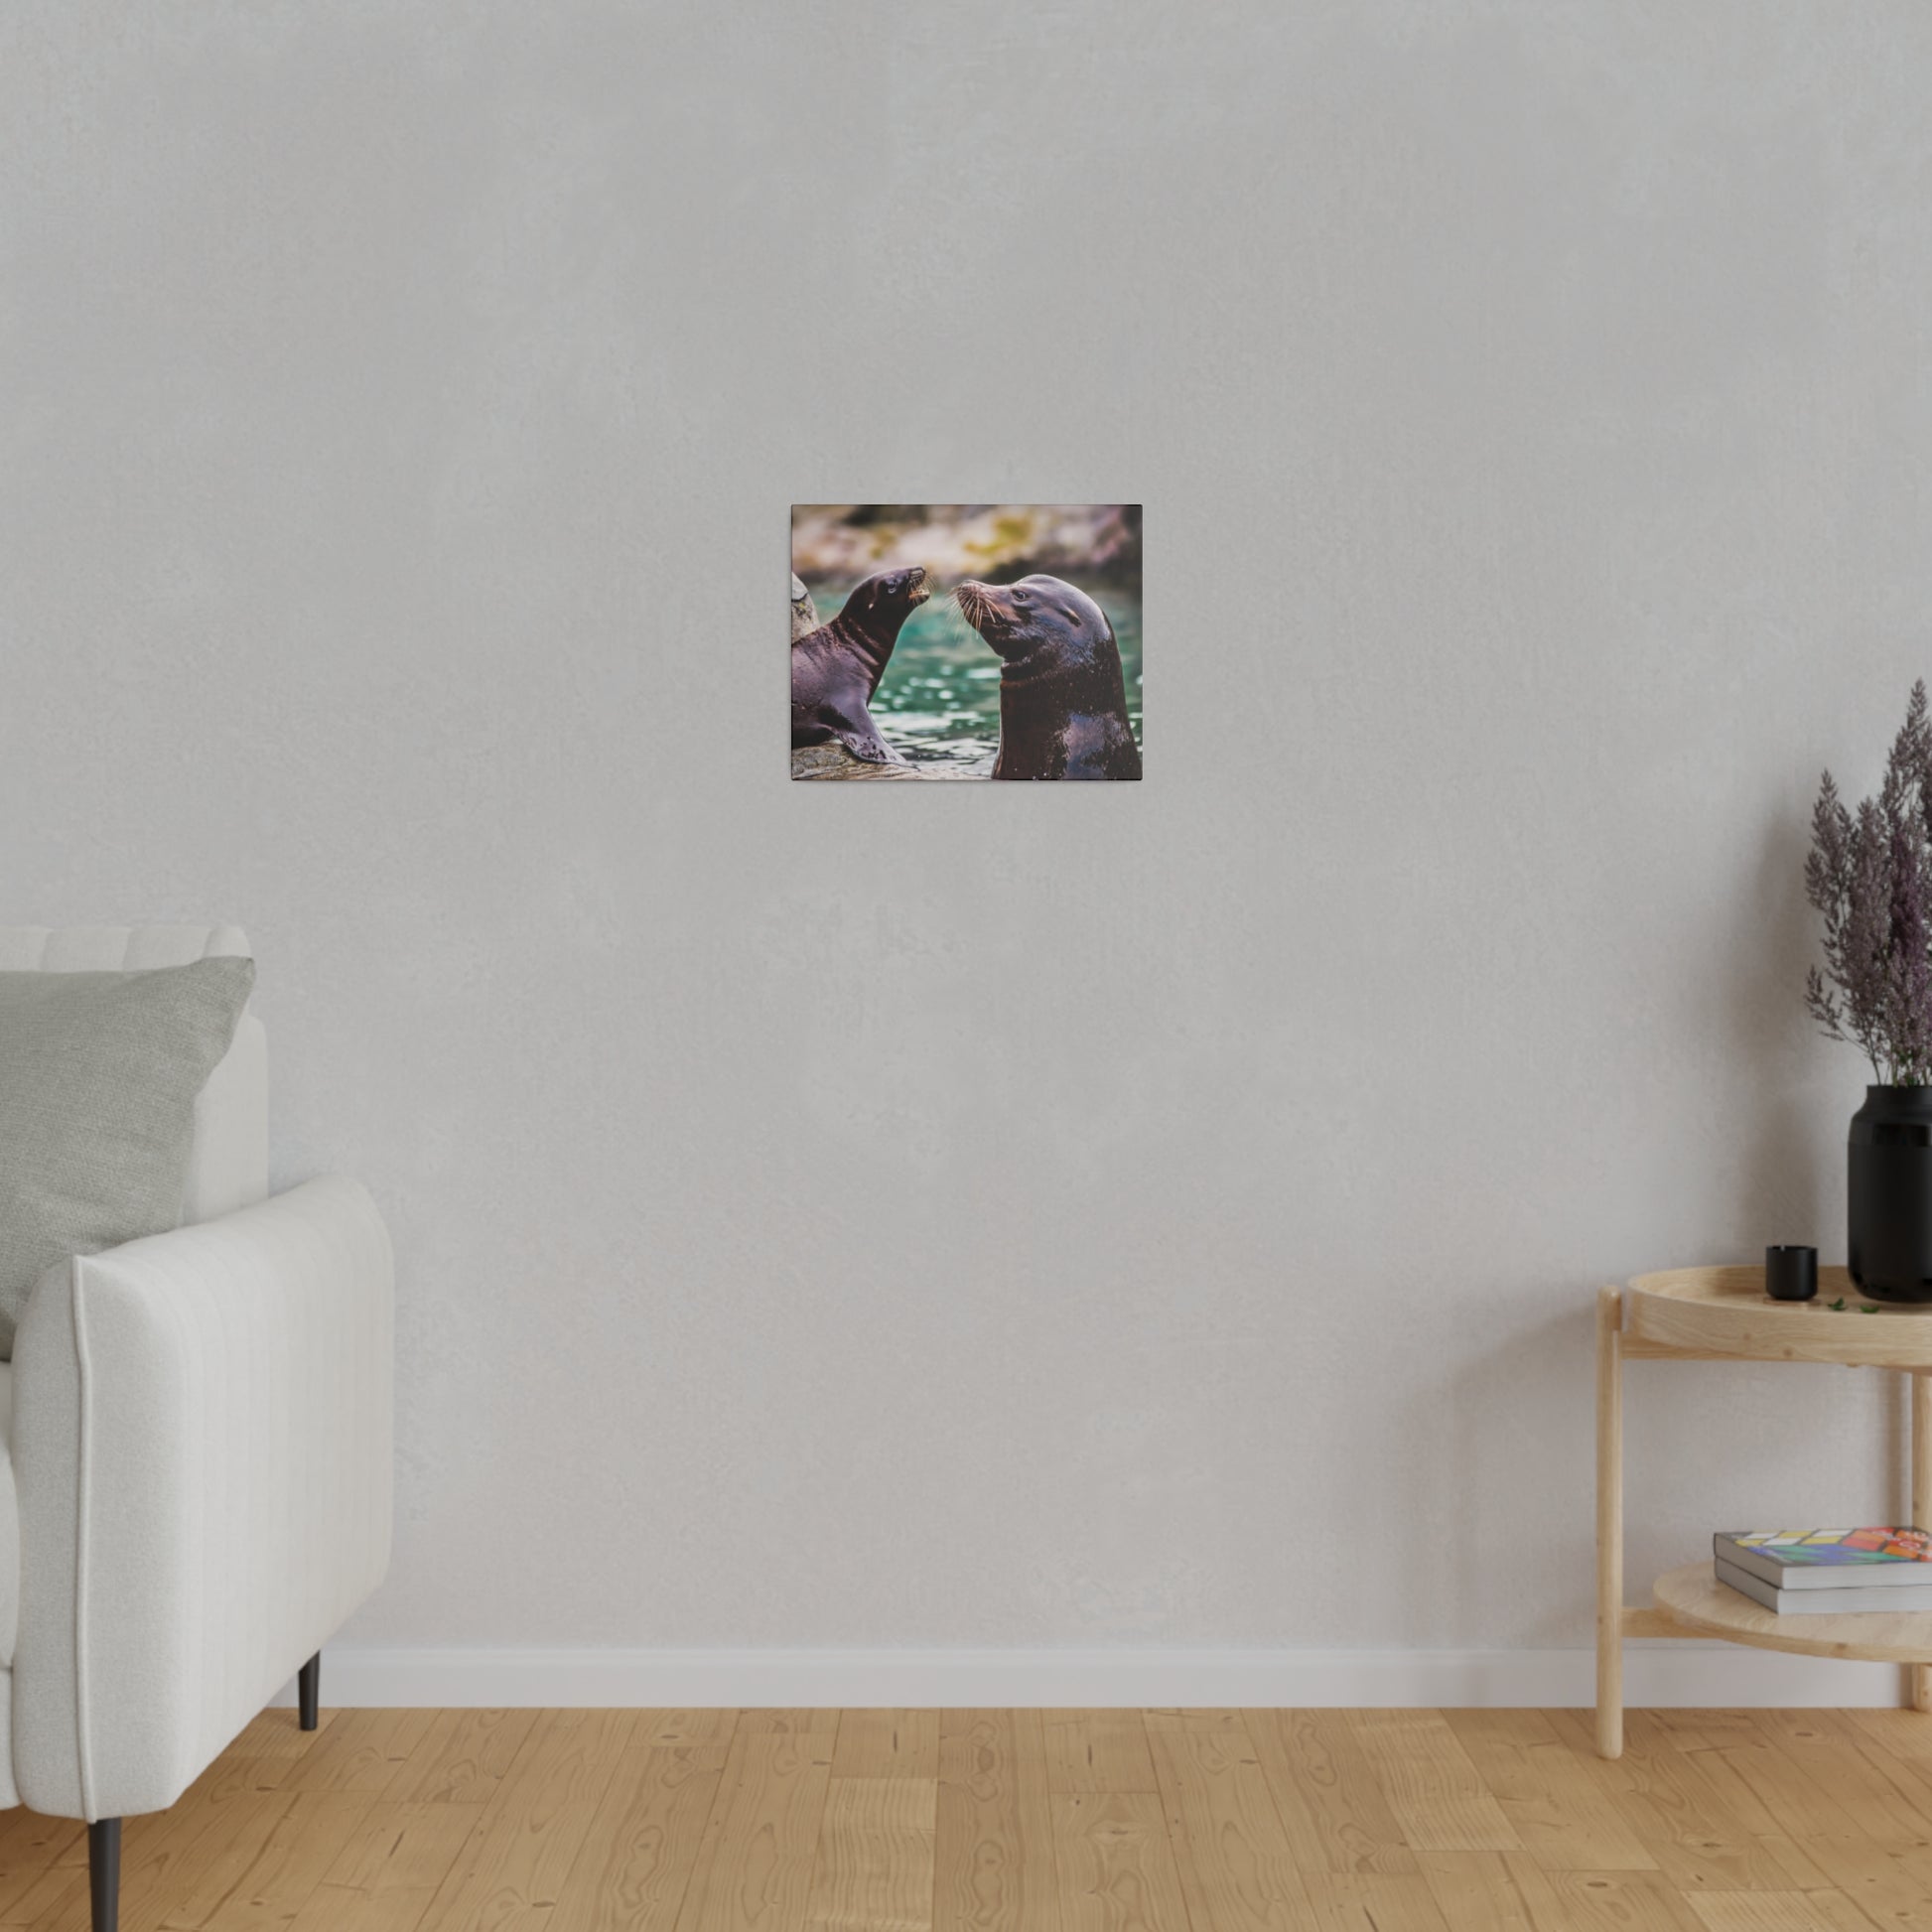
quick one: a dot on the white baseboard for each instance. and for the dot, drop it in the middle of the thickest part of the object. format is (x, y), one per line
(1665, 1674)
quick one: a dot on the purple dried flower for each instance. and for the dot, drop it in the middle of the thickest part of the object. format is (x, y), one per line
(1908, 976)
(1911, 752)
(1829, 865)
(1870, 877)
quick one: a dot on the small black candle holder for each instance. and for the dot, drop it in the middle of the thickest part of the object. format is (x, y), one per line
(1791, 1274)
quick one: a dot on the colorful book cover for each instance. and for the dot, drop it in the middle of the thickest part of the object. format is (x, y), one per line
(1823, 1549)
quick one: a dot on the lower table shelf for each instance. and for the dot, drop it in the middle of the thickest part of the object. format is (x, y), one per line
(1693, 1598)
(1702, 1314)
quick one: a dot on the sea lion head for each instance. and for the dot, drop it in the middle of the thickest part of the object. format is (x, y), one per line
(1039, 618)
(884, 602)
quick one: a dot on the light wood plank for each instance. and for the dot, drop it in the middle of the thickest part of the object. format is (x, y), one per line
(643, 1845)
(1702, 1768)
(294, 1859)
(1116, 1868)
(1237, 1872)
(1697, 1842)
(56, 1894)
(64, 1903)
(228, 1776)
(1890, 1885)
(686, 1727)
(1778, 1911)
(1491, 1891)
(1558, 1804)
(874, 1870)
(1789, 1798)
(757, 1873)
(1872, 1787)
(1334, 1821)
(1898, 1734)
(362, 1751)
(219, 1841)
(1772, 1860)
(1618, 1902)
(1331, 1806)
(887, 1744)
(1698, 1729)
(461, 1760)
(1373, 1901)
(1097, 1750)
(799, 1722)
(1215, 1724)
(279, 1734)
(511, 1869)
(1436, 1793)
(384, 1878)
(31, 1847)
(993, 1867)
(1801, 1871)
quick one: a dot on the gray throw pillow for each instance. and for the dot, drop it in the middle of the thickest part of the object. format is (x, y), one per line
(98, 1075)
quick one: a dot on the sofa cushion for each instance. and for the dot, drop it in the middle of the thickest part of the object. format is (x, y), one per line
(98, 1077)
(229, 1167)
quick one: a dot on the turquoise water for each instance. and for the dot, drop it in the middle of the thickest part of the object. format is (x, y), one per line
(939, 700)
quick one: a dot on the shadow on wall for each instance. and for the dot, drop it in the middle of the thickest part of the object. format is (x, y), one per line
(1513, 1418)
(1765, 1032)
(1519, 1419)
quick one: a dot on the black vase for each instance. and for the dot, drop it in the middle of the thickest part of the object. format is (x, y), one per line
(1890, 1194)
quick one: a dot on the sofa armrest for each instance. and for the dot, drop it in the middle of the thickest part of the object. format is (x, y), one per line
(202, 1449)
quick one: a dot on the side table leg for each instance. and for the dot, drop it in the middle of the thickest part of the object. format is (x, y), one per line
(1921, 1674)
(1609, 1522)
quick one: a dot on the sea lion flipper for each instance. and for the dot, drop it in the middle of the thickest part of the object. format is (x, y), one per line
(868, 744)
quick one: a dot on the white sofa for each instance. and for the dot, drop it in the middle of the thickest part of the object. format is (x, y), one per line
(198, 1441)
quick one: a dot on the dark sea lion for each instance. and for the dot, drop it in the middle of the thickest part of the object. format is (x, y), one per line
(1062, 698)
(836, 668)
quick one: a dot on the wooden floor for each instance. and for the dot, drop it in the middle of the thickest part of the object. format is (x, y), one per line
(1029, 1820)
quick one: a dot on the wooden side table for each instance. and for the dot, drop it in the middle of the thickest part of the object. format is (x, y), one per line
(1708, 1315)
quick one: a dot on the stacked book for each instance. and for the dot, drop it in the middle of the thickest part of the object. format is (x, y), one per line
(1828, 1573)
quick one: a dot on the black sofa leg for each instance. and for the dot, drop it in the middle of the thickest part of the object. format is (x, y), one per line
(104, 1838)
(308, 1690)
(104, 1872)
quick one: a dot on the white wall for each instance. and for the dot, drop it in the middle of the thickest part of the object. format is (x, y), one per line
(1159, 1216)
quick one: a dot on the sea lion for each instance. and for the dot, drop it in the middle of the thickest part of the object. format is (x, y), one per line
(1062, 698)
(836, 668)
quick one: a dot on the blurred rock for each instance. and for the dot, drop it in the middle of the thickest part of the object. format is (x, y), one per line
(843, 542)
(805, 612)
(835, 762)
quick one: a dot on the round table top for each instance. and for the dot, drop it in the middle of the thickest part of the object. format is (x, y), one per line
(1693, 1598)
(1726, 1312)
